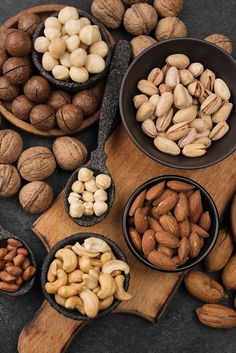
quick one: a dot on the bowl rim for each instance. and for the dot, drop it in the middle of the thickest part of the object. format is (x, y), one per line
(136, 141)
(158, 180)
(72, 86)
(74, 314)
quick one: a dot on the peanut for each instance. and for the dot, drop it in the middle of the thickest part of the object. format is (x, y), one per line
(14, 242)
(29, 273)
(7, 277)
(18, 259)
(22, 251)
(8, 287)
(14, 270)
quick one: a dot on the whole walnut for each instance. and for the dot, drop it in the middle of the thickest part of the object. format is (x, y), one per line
(21, 107)
(140, 19)
(58, 98)
(87, 101)
(8, 91)
(28, 23)
(170, 27)
(168, 8)
(140, 43)
(36, 197)
(131, 2)
(10, 180)
(222, 42)
(108, 12)
(36, 163)
(69, 152)
(11, 146)
(18, 70)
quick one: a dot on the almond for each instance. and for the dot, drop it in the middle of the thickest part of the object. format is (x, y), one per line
(140, 221)
(185, 229)
(196, 244)
(169, 224)
(217, 316)
(135, 238)
(200, 231)
(184, 250)
(196, 217)
(148, 242)
(155, 191)
(167, 251)
(160, 260)
(154, 224)
(194, 203)
(176, 260)
(181, 210)
(146, 210)
(137, 203)
(166, 205)
(179, 186)
(205, 221)
(167, 239)
(165, 194)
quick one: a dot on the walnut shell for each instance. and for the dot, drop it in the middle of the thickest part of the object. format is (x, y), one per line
(36, 163)
(170, 27)
(10, 180)
(131, 2)
(222, 42)
(140, 19)
(11, 146)
(108, 12)
(168, 8)
(140, 43)
(36, 197)
(69, 152)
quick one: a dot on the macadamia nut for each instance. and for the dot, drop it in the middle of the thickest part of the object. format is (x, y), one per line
(78, 187)
(85, 174)
(52, 33)
(61, 72)
(63, 31)
(103, 181)
(100, 48)
(72, 43)
(78, 57)
(88, 208)
(52, 22)
(79, 74)
(57, 48)
(90, 34)
(65, 37)
(90, 186)
(68, 13)
(100, 195)
(41, 44)
(88, 196)
(84, 21)
(65, 60)
(48, 62)
(95, 64)
(76, 209)
(73, 198)
(100, 207)
(72, 27)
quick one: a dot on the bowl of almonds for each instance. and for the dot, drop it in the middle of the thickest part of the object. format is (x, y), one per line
(170, 223)
(177, 103)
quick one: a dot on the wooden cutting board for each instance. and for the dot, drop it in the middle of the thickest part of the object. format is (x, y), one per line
(51, 332)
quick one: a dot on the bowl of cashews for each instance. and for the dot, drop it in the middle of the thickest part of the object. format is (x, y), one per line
(85, 276)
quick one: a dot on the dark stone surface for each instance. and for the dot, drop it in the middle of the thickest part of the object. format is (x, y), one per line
(178, 331)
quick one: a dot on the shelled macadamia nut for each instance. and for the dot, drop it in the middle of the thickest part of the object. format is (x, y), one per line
(78, 57)
(95, 64)
(90, 34)
(72, 27)
(61, 72)
(85, 174)
(65, 60)
(99, 48)
(79, 74)
(48, 62)
(57, 48)
(72, 43)
(52, 33)
(52, 22)
(41, 44)
(68, 13)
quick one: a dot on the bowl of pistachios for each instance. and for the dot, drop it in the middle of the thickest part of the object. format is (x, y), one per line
(177, 103)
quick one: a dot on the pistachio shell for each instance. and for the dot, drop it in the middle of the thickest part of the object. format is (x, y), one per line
(194, 150)
(196, 89)
(185, 115)
(167, 146)
(180, 61)
(149, 128)
(182, 98)
(221, 89)
(223, 113)
(154, 99)
(172, 77)
(156, 76)
(208, 79)
(139, 99)
(196, 69)
(186, 77)
(164, 104)
(199, 125)
(219, 131)
(189, 138)
(203, 141)
(211, 104)
(145, 112)
(177, 131)
(147, 88)
(163, 122)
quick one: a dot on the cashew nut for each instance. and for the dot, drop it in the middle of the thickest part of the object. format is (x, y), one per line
(120, 293)
(68, 258)
(75, 276)
(107, 286)
(116, 273)
(114, 265)
(107, 256)
(93, 274)
(53, 287)
(91, 302)
(85, 264)
(106, 303)
(52, 271)
(71, 290)
(96, 290)
(96, 245)
(60, 300)
(81, 251)
(90, 281)
(73, 302)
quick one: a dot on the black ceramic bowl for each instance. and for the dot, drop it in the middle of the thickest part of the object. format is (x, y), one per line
(70, 85)
(71, 240)
(4, 235)
(212, 57)
(208, 205)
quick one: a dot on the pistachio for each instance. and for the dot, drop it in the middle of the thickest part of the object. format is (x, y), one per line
(223, 113)
(196, 89)
(196, 69)
(147, 88)
(177, 131)
(208, 79)
(219, 131)
(221, 89)
(172, 77)
(180, 61)
(204, 97)
(188, 139)
(199, 125)
(205, 133)
(207, 120)
(164, 88)
(163, 122)
(165, 69)
(182, 98)
(154, 99)
(145, 112)
(165, 145)
(211, 104)
(164, 104)
(203, 141)
(194, 150)
(185, 115)
(186, 77)
(139, 99)
(149, 128)
(156, 76)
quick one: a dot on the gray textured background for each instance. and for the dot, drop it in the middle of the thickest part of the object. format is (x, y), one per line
(178, 330)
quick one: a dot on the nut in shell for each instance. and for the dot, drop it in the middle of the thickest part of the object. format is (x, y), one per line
(10, 180)
(108, 12)
(140, 43)
(222, 42)
(165, 145)
(170, 27)
(11, 146)
(166, 8)
(36, 197)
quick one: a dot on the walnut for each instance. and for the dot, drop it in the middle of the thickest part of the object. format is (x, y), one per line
(36, 163)
(11, 146)
(10, 180)
(69, 152)
(170, 27)
(140, 43)
(140, 19)
(131, 2)
(222, 42)
(168, 8)
(36, 197)
(108, 12)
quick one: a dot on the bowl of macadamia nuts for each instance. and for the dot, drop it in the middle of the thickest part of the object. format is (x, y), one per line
(72, 49)
(177, 103)
(85, 276)
(170, 223)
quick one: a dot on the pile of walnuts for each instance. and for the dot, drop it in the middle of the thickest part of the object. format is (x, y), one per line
(34, 165)
(149, 21)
